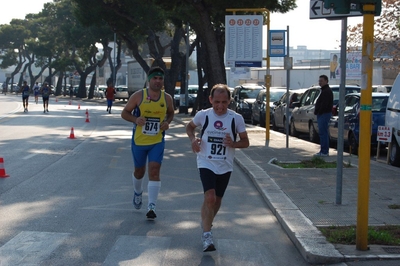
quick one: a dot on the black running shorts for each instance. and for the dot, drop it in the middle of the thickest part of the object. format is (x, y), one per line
(210, 180)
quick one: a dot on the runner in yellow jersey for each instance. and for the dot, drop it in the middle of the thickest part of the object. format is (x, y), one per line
(151, 111)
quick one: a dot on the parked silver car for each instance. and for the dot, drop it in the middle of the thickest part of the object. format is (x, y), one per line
(279, 113)
(303, 119)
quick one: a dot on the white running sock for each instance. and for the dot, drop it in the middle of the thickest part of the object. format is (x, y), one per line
(153, 188)
(137, 184)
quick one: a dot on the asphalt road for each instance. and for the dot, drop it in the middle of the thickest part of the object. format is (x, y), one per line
(69, 201)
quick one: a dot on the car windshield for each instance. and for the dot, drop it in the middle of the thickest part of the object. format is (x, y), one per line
(275, 95)
(379, 104)
(192, 90)
(122, 89)
(335, 92)
(249, 93)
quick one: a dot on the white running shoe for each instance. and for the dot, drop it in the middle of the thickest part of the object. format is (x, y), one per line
(137, 200)
(208, 243)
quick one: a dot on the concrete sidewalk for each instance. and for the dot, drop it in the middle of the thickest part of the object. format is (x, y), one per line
(304, 199)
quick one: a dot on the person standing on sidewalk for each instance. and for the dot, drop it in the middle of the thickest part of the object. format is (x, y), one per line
(45, 91)
(215, 150)
(25, 90)
(110, 95)
(323, 111)
(151, 111)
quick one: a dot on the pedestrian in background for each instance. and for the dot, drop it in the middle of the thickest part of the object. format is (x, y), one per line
(215, 150)
(36, 90)
(4, 86)
(110, 95)
(45, 91)
(25, 90)
(71, 92)
(323, 111)
(151, 111)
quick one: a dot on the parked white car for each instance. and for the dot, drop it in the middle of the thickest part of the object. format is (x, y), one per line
(122, 93)
(392, 120)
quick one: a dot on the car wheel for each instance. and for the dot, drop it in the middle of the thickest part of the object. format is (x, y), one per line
(253, 121)
(394, 158)
(262, 120)
(353, 145)
(312, 133)
(292, 129)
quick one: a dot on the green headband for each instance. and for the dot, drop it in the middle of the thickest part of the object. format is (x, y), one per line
(157, 73)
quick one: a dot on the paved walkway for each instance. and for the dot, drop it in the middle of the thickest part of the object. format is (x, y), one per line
(303, 199)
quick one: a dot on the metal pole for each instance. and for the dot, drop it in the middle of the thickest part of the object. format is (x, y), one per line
(365, 127)
(342, 92)
(187, 70)
(267, 84)
(114, 65)
(287, 92)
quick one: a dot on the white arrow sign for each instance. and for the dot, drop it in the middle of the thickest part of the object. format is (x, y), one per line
(317, 10)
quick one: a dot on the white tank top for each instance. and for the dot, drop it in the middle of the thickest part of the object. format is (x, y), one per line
(213, 154)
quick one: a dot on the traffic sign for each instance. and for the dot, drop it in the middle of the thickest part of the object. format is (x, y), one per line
(384, 134)
(277, 42)
(317, 11)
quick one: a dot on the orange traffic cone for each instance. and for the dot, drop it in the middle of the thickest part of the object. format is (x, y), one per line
(79, 106)
(71, 135)
(87, 112)
(87, 118)
(2, 170)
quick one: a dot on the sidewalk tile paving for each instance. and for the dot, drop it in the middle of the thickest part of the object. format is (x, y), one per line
(303, 199)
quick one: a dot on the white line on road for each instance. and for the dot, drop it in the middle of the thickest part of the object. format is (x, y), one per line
(29, 156)
(30, 248)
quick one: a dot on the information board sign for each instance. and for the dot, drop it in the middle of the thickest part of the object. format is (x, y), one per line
(243, 40)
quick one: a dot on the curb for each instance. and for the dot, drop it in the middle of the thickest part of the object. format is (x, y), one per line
(312, 245)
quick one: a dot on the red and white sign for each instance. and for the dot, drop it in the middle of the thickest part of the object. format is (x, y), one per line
(384, 134)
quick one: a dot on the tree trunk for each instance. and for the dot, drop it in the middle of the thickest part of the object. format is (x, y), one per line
(212, 42)
(59, 84)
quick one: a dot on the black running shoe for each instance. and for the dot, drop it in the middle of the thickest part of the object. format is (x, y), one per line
(151, 215)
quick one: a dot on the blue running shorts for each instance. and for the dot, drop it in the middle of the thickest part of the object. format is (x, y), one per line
(140, 153)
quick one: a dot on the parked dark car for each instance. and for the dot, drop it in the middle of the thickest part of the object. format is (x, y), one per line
(177, 96)
(279, 114)
(243, 97)
(192, 94)
(303, 119)
(258, 109)
(351, 120)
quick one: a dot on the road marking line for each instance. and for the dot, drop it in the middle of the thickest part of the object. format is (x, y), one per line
(29, 156)
(30, 248)
(138, 250)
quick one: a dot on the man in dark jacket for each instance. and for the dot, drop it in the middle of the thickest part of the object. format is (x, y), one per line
(323, 111)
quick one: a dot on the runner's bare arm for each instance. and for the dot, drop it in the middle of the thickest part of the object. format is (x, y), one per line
(132, 103)
(170, 112)
(242, 143)
(190, 131)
